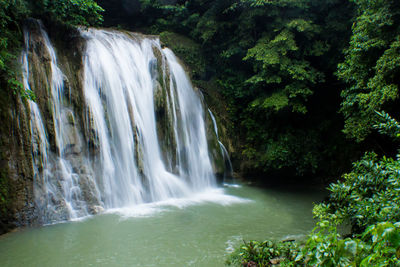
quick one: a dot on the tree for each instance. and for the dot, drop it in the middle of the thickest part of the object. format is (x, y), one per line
(11, 13)
(71, 12)
(371, 66)
(12, 16)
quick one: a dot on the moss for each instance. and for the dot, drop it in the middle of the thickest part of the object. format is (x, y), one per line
(218, 161)
(188, 51)
(4, 192)
(164, 126)
(4, 147)
(14, 172)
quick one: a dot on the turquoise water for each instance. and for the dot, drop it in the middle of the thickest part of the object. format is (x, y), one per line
(199, 231)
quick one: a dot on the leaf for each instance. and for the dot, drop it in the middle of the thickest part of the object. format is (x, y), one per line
(351, 247)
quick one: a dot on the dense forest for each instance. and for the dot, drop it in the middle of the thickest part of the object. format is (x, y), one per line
(306, 91)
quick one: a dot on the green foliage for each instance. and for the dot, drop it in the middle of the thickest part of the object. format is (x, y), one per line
(72, 12)
(263, 253)
(278, 53)
(187, 50)
(368, 198)
(384, 250)
(286, 45)
(325, 247)
(371, 66)
(387, 125)
(295, 148)
(12, 16)
(4, 192)
(377, 246)
(276, 101)
(368, 194)
(11, 12)
(284, 55)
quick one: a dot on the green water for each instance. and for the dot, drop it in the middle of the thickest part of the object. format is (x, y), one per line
(196, 232)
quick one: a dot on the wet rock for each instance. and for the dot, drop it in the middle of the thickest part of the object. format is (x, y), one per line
(96, 209)
(74, 141)
(88, 190)
(70, 118)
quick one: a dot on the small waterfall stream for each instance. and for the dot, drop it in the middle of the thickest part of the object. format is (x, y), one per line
(224, 151)
(40, 145)
(139, 136)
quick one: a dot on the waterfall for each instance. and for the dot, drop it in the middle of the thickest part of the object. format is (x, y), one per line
(38, 135)
(224, 151)
(138, 136)
(57, 187)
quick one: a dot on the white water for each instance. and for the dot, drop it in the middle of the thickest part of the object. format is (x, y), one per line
(191, 132)
(71, 191)
(44, 189)
(58, 195)
(121, 158)
(212, 195)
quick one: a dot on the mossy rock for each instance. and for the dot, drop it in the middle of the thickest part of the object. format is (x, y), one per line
(4, 196)
(16, 175)
(188, 51)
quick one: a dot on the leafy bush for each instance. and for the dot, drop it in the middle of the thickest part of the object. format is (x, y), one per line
(72, 12)
(383, 245)
(187, 50)
(379, 245)
(371, 65)
(370, 192)
(325, 247)
(263, 253)
(367, 195)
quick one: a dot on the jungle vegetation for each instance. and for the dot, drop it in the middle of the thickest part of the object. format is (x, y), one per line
(309, 87)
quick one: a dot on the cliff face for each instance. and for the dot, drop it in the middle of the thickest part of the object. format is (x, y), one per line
(16, 174)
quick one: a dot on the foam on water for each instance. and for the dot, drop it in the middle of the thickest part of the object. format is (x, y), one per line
(232, 185)
(215, 196)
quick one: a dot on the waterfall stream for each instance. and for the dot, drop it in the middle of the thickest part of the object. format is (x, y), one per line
(224, 151)
(139, 136)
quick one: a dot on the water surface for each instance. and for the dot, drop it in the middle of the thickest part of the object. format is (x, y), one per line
(199, 231)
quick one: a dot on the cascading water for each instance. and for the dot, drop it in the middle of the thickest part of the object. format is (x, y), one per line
(229, 169)
(57, 186)
(40, 145)
(190, 135)
(140, 137)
